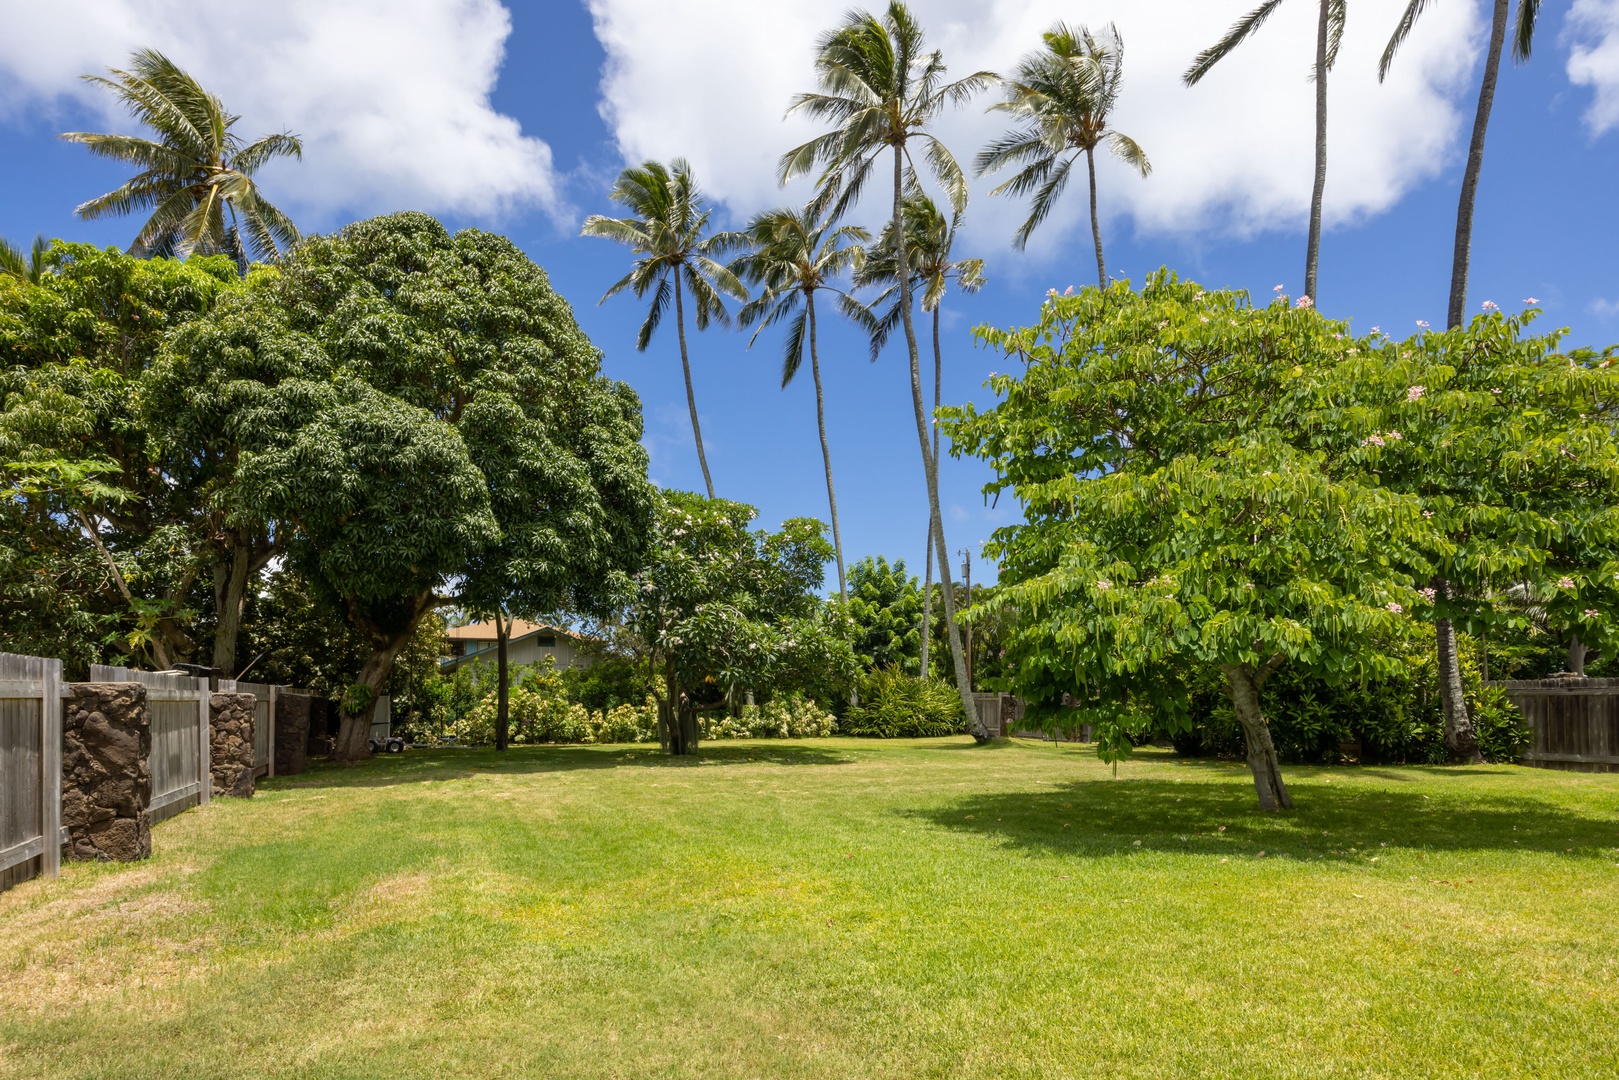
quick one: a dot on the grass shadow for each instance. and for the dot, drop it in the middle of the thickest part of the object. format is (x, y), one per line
(451, 763)
(1352, 822)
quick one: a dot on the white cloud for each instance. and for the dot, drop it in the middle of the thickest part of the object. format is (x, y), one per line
(1593, 59)
(710, 80)
(391, 97)
(1607, 309)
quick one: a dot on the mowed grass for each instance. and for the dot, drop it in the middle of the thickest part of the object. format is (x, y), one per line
(836, 908)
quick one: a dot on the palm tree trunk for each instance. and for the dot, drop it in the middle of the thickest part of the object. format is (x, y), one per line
(503, 716)
(1463, 255)
(1312, 253)
(1096, 222)
(826, 450)
(929, 461)
(927, 583)
(691, 398)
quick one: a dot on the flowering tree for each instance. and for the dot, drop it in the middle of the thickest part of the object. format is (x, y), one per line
(720, 605)
(1510, 448)
(1172, 520)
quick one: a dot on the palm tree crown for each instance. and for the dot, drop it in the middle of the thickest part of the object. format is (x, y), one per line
(196, 177)
(29, 265)
(674, 254)
(930, 238)
(1065, 93)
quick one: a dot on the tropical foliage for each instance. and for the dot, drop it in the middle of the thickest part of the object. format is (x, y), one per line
(196, 176)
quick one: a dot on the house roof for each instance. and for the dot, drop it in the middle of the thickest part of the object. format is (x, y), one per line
(521, 628)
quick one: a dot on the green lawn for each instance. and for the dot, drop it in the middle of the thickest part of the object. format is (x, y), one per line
(836, 908)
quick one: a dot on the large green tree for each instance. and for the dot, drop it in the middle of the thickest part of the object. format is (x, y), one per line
(675, 254)
(423, 415)
(81, 448)
(794, 255)
(1172, 522)
(1329, 32)
(196, 177)
(886, 607)
(881, 89)
(721, 605)
(1064, 94)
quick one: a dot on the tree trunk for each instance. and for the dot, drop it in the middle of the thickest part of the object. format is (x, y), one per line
(1244, 685)
(503, 715)
(354, 728)
(691, 396)
(1312, 251)
(1460, 738)
(677, 720)
(1577, 652)
(1463, 255)
(230, 595)
(826, 449)
(1096, 222)
(930, 464)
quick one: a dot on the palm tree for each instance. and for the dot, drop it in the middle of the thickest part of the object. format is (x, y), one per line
(795, 254)
(1065, 92)
(1460, 737)
(1329, 32)
(881, 91)
(27, 265)
(1523, 40)
(196, 177)
(668, 233)
(929, 242)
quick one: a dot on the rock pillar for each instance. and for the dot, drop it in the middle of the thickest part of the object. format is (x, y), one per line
(106, 786)
(231, 724)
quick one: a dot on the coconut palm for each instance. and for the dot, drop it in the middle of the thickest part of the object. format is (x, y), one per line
(669, 233)
(1065, 92)
(930, 238)
(1329, 32)
(1459, 735)
(28, 265)
(196, 177)
(881, 90)
(1523, 40)
(795, 254)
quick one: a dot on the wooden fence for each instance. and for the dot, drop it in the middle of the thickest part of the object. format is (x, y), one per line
(1573, 723)
(263, 722)
(31, 834)
(182, 748)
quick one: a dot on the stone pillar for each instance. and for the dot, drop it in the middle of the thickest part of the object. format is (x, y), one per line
(106, 785)
(291, 733)
(231, 723)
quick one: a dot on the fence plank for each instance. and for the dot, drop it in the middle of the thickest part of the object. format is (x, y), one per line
(50, 795)
(30, 768)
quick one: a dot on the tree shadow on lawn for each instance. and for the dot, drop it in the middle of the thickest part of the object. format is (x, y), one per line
(458, 763)
(1350, 823)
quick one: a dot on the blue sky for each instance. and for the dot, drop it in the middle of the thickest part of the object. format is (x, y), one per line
(517, 117)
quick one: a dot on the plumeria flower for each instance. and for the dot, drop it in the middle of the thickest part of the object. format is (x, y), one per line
(1565, 582)
(1427, 513)
(1491, 305)
(1051, 292)
(1495, 390)
(1590, 613)
(1530, 300)
(1377, 329)
(1068, 291)
(1396, 608)
(1306, 302)
(1415, 393)
(1202, 318)
(1198, 295)
(1279, 288)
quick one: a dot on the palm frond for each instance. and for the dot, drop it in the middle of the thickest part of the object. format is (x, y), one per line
(654, 315)
(1128, 151)
(151, 156)
(1045, 198)
(1523, 31)
(1239, 32)
(251, 158)
(792, 350)
(1402, 30)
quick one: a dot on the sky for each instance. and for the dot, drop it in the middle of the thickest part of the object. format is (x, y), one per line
(517, 117)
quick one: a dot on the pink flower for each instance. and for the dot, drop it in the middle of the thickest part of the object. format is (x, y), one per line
(1427, 513)
(1565, 582)
(1279, 288)
(1373, 440)
(1491, 305)
(1415, 393)
(1495, 390)
(1421, 325)
(1051, 292)
(1530, 300)
(1590, 613)
(1396, 608)
(1377, 329)
(1068, 291)
(1428, 594)
(1395, 436)
(1103, 585)
(1306, 302)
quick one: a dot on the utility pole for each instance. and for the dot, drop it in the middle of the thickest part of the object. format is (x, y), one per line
(966, 600)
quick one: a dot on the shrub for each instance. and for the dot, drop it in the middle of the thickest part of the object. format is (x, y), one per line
(791, 717)
(538, 717)
(894, 705)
